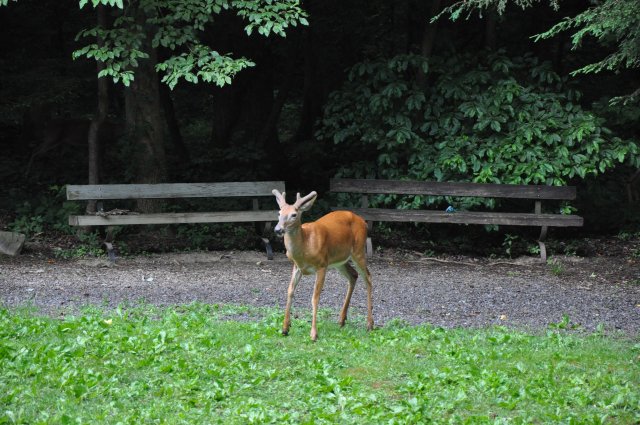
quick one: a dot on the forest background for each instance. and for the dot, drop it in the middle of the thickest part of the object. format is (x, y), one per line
(519, 92)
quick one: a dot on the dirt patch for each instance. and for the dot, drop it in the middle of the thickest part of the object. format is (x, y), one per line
(598, 291)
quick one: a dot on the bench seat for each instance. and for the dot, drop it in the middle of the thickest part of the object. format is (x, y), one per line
(174, 218)
(467, 217)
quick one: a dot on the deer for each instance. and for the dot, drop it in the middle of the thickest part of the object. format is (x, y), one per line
(329, 242)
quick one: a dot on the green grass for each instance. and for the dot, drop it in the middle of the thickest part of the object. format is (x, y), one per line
(195, 364)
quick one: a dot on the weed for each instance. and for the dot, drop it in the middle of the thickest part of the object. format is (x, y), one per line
(627, 236)
(90, 246)
(564, 324)
(429, 253)
(397, 323)
(198, 235)
(180, 365)
(508, 242)
(571, 248)
(556, 267)
(49, 210)
(28, 224)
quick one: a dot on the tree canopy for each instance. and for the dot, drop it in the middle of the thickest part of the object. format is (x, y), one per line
(177, 27)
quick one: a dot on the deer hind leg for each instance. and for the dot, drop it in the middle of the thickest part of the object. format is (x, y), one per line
(360, 263)
(317, 290)
(296, 274)
(352, 275)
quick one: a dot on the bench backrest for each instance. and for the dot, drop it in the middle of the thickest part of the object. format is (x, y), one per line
(172, 190)
(480, 190)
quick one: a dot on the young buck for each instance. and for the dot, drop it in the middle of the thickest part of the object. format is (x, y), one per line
(329, 242)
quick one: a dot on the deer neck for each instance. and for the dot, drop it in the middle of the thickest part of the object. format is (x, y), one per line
(295, 242)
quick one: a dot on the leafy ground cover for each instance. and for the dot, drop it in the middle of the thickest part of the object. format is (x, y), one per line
(220, 364)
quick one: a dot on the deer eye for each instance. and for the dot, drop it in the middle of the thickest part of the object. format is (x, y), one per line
(294, 215)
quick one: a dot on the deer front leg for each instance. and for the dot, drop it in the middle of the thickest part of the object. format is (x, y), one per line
(296, 274)
(317, 290)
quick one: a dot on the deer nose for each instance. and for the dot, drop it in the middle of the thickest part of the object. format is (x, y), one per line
(279, 231)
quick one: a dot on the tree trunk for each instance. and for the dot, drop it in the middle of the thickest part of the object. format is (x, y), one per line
(227, 111)
(311, 93)
(259, 106)
(145, 125)
(562, 42)
(400, 25)
(490, 28)
(172, 125)
(97, 123)
(274, 116)
(428, 39)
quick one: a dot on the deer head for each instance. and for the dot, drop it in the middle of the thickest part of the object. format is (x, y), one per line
(290, 215)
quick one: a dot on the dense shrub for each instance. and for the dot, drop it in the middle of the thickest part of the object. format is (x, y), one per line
(507, 120)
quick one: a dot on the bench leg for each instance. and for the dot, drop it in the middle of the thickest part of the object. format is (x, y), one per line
(543, 248)
(110, 251)
(268, 248)
(369, 247)
(266, 228)
(108, 243)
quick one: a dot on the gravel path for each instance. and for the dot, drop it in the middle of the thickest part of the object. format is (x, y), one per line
(471, 293)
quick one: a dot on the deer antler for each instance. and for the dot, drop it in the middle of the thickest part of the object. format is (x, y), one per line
(300, 201)
(280, 197)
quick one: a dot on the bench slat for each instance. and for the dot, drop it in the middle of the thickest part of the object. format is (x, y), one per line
(172, 190)
(480, 190)
(174, 218)
(468, 217)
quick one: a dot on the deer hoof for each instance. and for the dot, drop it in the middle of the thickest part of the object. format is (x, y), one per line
(285, 332)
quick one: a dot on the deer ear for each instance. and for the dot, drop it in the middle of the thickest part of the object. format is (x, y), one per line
(306, 203)
(280, 197)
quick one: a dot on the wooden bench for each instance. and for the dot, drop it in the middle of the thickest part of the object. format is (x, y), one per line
(537, 193)
(121, 217)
